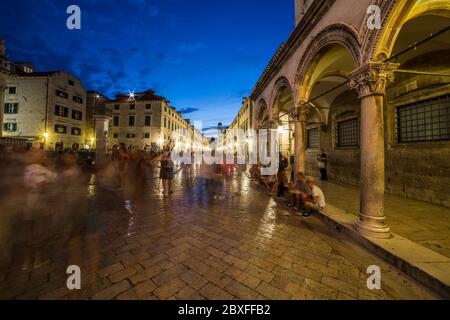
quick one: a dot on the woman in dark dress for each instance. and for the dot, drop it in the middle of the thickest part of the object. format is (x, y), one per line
(167, 171)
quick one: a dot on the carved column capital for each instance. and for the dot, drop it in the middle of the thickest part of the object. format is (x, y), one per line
(372, 78)
(300, 112)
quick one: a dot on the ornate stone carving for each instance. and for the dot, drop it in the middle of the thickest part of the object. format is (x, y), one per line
(300, 112)
(372, 78)
(342, 34)
(370, 38)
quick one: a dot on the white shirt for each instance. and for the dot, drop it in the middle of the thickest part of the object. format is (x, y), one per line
(36, 175)
(316, 192)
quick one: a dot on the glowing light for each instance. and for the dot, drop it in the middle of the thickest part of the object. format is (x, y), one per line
(280, 129)
(131, 95)
(46, 135)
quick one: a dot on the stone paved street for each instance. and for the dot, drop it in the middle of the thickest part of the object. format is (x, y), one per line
(194, 247)
(422, 222)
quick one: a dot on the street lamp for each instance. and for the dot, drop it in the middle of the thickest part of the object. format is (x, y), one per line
(45, 135)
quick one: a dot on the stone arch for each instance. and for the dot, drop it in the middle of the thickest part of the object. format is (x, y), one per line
(378, 44)
(282, 86)
(340, 34)
(261, 112)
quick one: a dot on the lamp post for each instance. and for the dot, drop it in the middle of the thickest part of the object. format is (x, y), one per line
(45, 139)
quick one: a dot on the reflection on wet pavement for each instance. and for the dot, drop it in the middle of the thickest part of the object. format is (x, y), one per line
(135, 244)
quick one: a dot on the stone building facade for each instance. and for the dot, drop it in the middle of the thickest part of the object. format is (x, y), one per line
(145, 120)
(48, 106)
(379, 110)
(244, 118)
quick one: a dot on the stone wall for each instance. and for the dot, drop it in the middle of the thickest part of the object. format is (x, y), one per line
(418, 170)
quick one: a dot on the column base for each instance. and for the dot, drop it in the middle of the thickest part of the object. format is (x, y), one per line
(373, 227)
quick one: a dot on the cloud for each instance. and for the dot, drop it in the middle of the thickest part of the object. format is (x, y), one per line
(188, 110)
(190, 48)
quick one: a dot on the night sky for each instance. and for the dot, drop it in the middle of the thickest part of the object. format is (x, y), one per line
(203, 55)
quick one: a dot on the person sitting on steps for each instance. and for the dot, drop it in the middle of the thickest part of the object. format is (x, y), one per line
(300, 192)
(317, 200)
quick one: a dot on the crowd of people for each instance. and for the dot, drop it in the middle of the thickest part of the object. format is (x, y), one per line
(53, 190)
(44, 196)
(304, 195)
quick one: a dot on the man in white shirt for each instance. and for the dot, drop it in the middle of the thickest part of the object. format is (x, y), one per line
(317, 200)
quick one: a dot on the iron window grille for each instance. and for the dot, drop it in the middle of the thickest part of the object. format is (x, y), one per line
(423, 121)
(348, 133)
(313, 138)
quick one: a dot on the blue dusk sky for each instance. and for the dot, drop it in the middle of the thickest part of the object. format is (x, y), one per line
(203, 55)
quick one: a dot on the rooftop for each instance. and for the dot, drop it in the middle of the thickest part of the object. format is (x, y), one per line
(148, 95)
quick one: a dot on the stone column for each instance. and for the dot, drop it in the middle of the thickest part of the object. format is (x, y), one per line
(370, 81)
(300, 148)
(102, 137)
(2, 102)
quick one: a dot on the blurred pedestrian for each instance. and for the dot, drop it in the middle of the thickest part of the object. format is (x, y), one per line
(37, 215)
(322, 163)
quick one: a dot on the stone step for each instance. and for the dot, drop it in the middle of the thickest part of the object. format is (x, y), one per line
(422, 264)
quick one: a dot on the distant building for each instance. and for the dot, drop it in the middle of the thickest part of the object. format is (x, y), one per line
(145, 120)
(45, 106)
(243, 121)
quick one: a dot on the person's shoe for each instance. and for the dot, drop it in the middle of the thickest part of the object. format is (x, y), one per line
(307, 214)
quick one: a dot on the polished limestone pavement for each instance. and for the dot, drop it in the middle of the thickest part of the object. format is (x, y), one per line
(190, 246)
